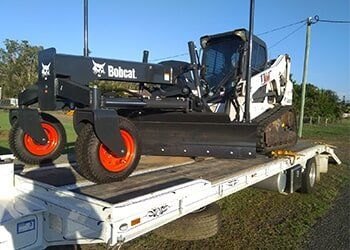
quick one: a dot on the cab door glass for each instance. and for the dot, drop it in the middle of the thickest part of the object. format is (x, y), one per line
(258, 58)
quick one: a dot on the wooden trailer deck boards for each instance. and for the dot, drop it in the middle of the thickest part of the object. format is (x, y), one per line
(211, 169)
(64, 174)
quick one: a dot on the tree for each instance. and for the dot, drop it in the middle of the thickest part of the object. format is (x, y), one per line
(318, 102)
(18, 66)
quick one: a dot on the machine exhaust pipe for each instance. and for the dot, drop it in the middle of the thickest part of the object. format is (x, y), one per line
(275, 183)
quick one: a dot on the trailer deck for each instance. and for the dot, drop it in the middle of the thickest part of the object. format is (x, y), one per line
(77, 211)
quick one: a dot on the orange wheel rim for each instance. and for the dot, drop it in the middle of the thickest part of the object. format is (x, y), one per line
(40, 150)
(114, 163)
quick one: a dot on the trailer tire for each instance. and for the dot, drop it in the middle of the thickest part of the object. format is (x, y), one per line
(93, 158)
(195, 226)
(309, 176)
(28, 151)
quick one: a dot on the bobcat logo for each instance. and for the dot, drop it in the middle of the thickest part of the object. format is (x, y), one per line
(45, 71)
(98, 68)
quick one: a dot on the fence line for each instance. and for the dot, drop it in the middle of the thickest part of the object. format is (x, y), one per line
(320, 120)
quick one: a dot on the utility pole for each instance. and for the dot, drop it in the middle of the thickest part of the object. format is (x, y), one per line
(86, 28)
(309, 21)
(249, 62)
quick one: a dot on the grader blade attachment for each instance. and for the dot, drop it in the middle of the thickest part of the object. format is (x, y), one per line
(197, 135)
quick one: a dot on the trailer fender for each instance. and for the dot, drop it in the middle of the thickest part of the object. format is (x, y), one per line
(106, 127)
(29, 121)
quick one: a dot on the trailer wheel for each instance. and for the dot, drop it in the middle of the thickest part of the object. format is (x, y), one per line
(195, 226)
(97, 162)
(28, 151)
(309, 177)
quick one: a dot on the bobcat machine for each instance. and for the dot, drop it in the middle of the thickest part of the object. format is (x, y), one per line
(178, 109)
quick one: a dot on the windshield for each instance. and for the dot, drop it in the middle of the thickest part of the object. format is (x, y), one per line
(219, 58)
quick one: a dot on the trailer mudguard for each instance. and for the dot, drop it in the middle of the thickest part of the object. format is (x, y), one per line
(106, 127)
(29, 121)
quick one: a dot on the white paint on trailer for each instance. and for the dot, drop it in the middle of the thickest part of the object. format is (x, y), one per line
(72, 217)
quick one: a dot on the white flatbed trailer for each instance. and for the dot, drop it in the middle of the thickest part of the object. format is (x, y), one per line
(47, 206)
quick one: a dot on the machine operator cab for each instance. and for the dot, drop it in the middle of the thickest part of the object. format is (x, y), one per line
(223, 67)
(222, 72)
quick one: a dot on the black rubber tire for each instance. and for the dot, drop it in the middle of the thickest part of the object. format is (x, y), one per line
(307, 184)
(80, 146)
(89, 165)
(16, 142)
(195, 226)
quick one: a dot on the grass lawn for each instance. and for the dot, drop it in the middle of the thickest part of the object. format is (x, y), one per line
(337, 132)
(254, 218)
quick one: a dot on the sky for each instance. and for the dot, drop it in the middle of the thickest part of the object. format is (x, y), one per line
(122, 29)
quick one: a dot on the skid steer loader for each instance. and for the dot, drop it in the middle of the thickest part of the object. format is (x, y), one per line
(189, 109)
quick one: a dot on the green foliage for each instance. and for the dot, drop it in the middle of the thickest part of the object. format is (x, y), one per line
(345, 107)
(109, 86)
(318, 102)
(18, 66)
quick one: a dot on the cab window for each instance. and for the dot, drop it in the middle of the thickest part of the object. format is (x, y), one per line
(259, 58)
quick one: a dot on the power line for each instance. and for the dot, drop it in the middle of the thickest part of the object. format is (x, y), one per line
(333, 21)
(315, 20)
(280, 28)
(263, 33)
(284, 38)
